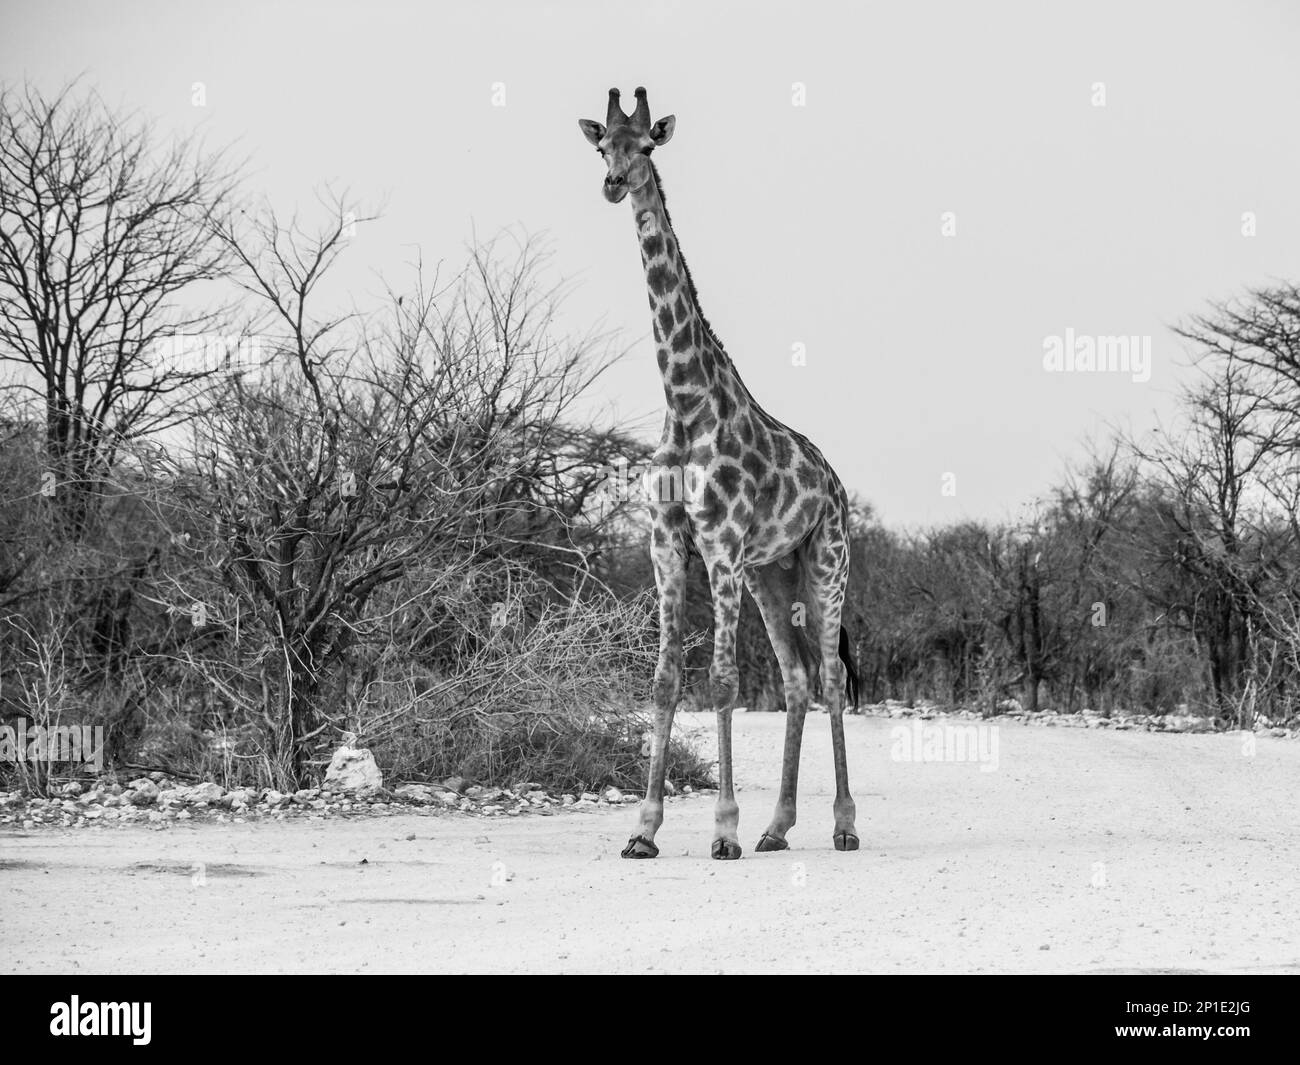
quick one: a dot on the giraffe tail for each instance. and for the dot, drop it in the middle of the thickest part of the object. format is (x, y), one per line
(851, 674)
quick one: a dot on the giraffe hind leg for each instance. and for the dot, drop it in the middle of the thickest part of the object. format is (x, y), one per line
(775, 589)
(826, 578)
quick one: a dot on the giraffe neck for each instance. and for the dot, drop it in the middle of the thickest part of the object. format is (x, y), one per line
(700, 383)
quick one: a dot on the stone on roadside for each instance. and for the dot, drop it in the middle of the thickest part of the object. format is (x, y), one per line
(206, 792)
(239, 797)
(414, 792)
(352, 770)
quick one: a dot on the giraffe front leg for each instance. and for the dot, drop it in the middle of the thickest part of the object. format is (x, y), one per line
(827, 577)
(669, 557)
(846, 833)
(724, 682)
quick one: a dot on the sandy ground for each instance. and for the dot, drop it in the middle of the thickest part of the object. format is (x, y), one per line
(1082, 852)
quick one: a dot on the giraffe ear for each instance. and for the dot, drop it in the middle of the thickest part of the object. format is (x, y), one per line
(593, 131)
(662, 131)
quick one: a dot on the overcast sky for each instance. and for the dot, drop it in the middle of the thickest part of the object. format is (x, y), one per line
(821, 224)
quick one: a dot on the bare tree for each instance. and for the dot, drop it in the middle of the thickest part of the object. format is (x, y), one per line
(379, 478)
(101, 233)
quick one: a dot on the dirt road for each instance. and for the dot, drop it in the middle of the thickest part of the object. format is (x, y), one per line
(1081, 852)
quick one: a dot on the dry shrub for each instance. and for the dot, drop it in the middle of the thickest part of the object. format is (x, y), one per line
(561, 700)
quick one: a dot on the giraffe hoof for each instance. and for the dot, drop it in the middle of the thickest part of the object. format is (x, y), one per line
(771, 843)
(846, 841)
(726, 850)
(647, 848)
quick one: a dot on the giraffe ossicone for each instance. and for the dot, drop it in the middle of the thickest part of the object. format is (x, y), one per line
(766, 512)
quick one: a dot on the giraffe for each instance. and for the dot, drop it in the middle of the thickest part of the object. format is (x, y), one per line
(758, 503)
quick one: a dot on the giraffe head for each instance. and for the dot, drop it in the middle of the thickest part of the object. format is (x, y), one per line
(625, 143)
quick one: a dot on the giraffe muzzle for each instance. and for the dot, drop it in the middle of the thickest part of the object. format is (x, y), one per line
(615, 187)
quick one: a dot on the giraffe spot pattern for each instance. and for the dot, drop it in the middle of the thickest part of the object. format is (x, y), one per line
(712, 507)
(660, 279)
(728, 477)
(665, 322)
(755, 465)
(687, 373)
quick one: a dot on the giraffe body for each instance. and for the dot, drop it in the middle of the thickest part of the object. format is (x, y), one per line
(755, 499)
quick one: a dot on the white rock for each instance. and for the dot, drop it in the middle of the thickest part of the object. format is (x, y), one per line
(353, 770)
(205, 792)
(143, 792)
